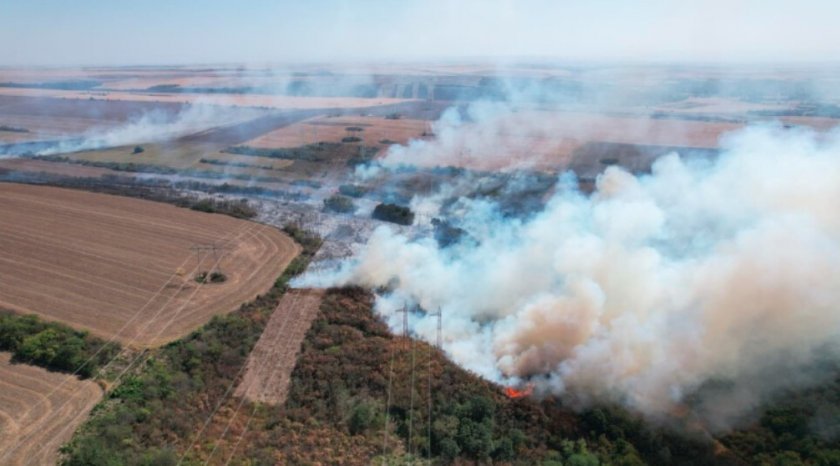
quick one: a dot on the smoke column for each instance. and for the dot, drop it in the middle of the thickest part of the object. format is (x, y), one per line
(641, 293)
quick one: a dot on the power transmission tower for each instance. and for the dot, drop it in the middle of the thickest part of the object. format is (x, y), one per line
(197, 250)
(405, 323)
(440, 328)
(439, 335)
(215, 250)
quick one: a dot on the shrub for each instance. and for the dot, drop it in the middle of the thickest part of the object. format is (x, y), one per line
(52, 345)
(238, 209)
(394, 213)
(353, 190)
(138, 150)
(364, 416)
(213, 277)
(339, 203)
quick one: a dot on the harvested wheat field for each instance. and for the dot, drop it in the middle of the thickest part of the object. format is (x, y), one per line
(270, 365)
(39, 410)
(39, 127)
(371, 130)
(123, 268)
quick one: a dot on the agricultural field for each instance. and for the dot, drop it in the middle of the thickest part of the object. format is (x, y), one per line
(39, 410)
(19, 128)
(370, 130)
(184, 156)
(124, 268)
(270, 364)
(230, 100)
(41, 166)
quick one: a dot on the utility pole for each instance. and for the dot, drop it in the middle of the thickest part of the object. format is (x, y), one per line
(405, 322)
(198, 248)
(439, 340)
(439, 336)
(216, 257)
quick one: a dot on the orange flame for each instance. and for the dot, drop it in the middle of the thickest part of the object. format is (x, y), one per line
(515, 394)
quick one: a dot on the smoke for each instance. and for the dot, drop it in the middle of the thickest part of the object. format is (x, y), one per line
(152, 126)
(484, 135)
(648, 292)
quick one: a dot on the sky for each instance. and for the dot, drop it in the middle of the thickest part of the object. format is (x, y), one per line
(121, 32)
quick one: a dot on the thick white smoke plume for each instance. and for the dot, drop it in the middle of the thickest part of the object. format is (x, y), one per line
(724, 271)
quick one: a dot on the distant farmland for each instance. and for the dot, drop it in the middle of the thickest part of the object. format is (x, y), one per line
(39, 410)
(125, 267)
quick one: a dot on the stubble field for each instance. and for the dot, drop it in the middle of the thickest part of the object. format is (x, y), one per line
(124, 268)
(39, 410)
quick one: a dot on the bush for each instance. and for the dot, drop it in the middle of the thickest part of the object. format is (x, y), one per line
(339, 203)
(213, 277)
(238, 209)
(394, 213)
(311, 152)
(13, 129)
(52, 345)
(363, 416)
(138, 150)
(353, 190)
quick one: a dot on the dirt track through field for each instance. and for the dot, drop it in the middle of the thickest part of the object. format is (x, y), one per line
(269, 367)
(32, 411)
(98, 262)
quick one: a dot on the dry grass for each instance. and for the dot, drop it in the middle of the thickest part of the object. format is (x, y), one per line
(269, 367)
(333, 129)
(49, 127)
(55, 168)
(39, 410)
(188, 156)
(122, 267)
(177, 156)
(718, 106)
